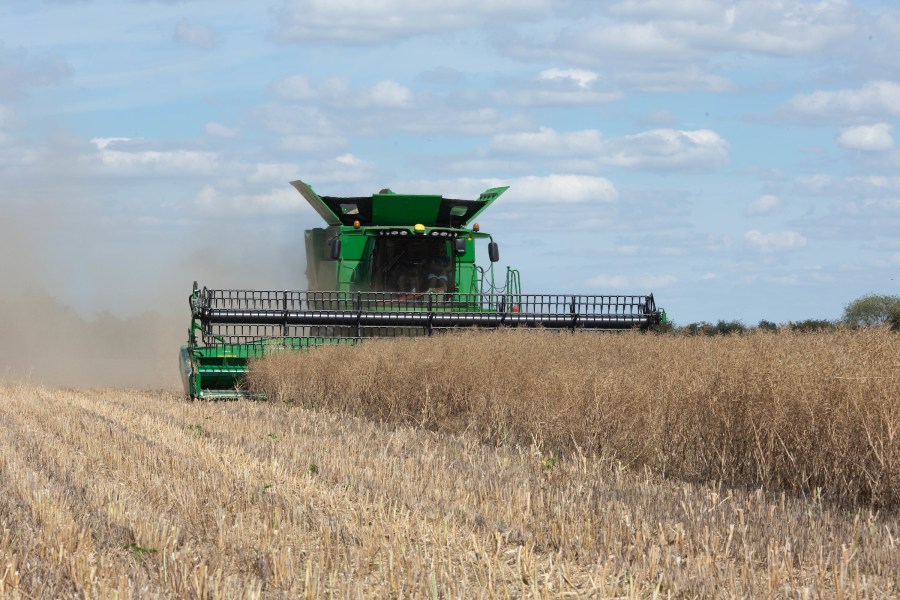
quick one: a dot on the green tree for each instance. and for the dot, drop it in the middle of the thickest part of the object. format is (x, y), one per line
(872, 309)
(765, 325)
(809, 325)
(894, 317)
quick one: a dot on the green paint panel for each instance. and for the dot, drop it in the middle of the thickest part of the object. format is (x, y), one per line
(404, 209)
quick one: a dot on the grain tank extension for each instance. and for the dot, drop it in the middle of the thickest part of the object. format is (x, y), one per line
(385, 265)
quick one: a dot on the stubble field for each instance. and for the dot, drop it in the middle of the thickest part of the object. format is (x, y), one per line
(502, 465)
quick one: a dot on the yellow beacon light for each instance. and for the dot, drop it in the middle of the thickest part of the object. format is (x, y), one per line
(419, 228)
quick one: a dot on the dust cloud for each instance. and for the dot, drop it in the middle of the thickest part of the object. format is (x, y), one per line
(89, 301)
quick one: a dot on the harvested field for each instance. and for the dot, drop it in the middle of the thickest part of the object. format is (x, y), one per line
(107, 493)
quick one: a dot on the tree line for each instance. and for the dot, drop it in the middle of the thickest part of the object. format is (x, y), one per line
(871, 310)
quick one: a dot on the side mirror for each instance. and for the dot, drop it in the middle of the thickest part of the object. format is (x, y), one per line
(335, 244)
(459, 244)
(494, 251)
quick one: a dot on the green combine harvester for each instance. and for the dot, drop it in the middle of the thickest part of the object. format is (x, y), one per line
(386, 265)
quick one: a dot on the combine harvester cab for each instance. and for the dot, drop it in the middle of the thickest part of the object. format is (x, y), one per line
(386, 265)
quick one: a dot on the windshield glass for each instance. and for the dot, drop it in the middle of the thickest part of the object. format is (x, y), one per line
(412, 265)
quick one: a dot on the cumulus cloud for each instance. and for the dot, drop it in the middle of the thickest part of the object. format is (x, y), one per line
(869, 138)
(263, 188)
(776, 241)
(764, 205)
(126, 157)
(446, 118)
(649, 39)
(685, 9)
(442, 75)
(292, 88)
(653, 149)
(212, 200)
(390, 94)
(652, 79)
(873, 185)
(557, 87)
(221, 131)
(638, 283)
(353, 22)
(20, 71)
(580, 77)
(874, 208)
(873, 99)
(195, 35)
(337, 92)
(343, 169)
(546, 141)
(292, 119)
(315, 144)
(567, 189)
(668, 149)
(659, 117)
(273, 172)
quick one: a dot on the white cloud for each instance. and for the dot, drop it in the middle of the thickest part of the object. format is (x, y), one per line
(882, 183)
(870, 138)
(816, 183)
(874, 99)
(546, 141)
(350, 160)
(354, 22)
(776, 241)
(221, 131)
(390, 94)
(764, 205)
(446, 118)
(102, 143)
(565, 189)
(292, 87)
(637, 283)
(660, 117)
(581, 77)
(20, 71)
(293, 119)
(653, 149)
(277, 201)
(683, 9)
(668, 149)
(126, 157)
(273, 172)
(647, 41)
(342, 169)
(195, 35)
(850, 186)
(884, 207)
(652, 79)
(337, 92)
(557, 87)
(316, 144)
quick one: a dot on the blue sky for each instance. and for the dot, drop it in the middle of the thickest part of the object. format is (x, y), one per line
(735, 158)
